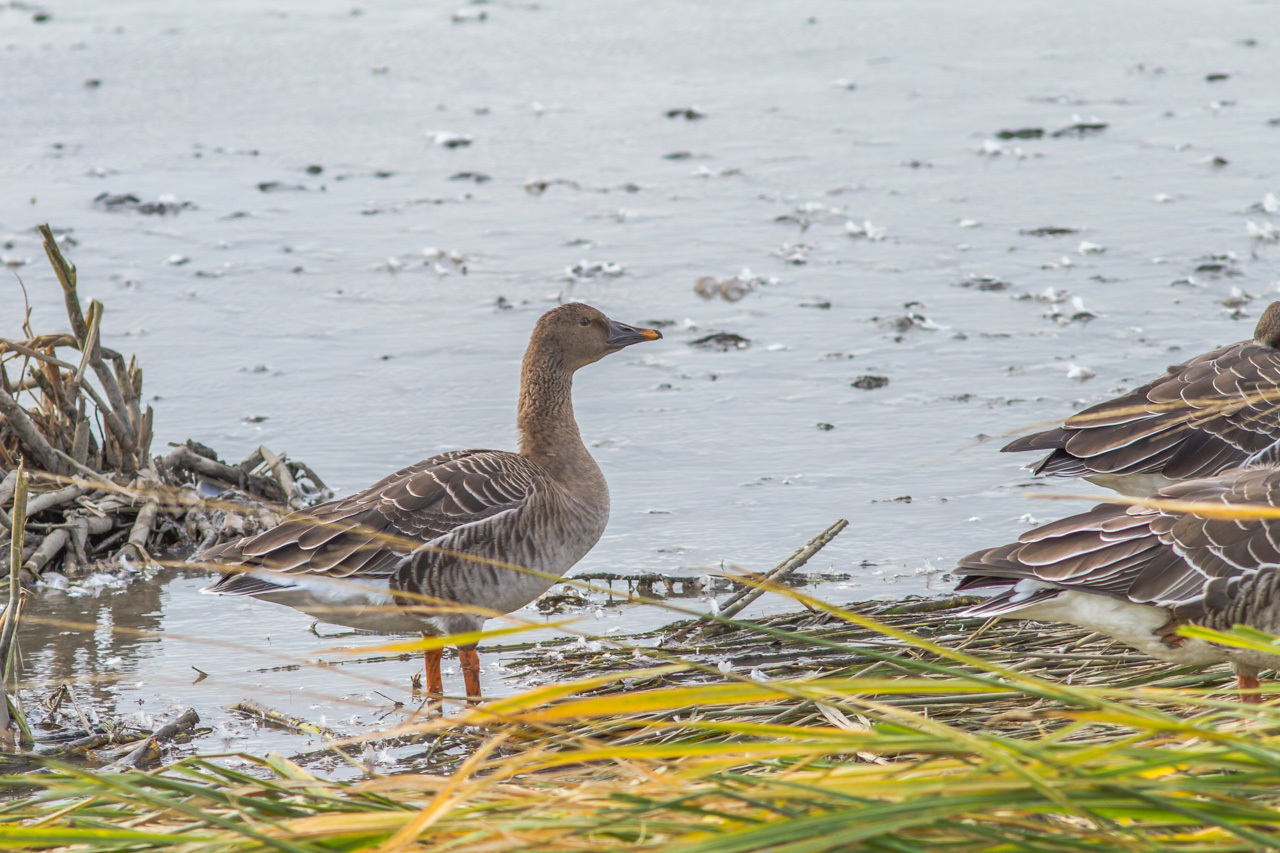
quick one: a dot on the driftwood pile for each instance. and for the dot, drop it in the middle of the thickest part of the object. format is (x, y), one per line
(71, 412)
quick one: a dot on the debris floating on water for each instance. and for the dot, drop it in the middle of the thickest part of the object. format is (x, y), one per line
(447, 139)
(1021, 133)
(165, 205)
(729, 289)
(1081, 128)
(1049, 231)
(985, 282)
(598, 269)
(1079, 373)
(866, 230)
(686, 113)
(722, 341)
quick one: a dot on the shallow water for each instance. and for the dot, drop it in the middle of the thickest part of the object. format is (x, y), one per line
(312, 300)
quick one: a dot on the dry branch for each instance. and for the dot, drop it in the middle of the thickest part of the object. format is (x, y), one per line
(740, 600)
(142, 528)
(20, 422)
(184, 458)
(281, 472)
(149, 750)
(53, 544)
(49, 500)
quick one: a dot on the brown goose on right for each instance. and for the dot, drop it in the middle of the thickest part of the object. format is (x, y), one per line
(1217, 411)
(1136, 573)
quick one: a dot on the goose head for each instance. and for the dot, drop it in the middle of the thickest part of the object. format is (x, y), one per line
(578, 335)
(1268, 330)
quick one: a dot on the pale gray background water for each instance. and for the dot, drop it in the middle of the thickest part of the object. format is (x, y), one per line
(374, 358)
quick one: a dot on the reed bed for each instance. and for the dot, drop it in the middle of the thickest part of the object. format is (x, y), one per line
(910, 729)
(827, 645)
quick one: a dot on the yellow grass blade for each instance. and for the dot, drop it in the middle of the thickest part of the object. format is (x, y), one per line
(467, 639)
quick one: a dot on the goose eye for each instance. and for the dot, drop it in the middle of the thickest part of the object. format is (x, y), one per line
(585, 321)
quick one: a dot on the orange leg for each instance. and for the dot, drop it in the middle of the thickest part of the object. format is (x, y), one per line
(470, 660)
(431, 662)
(1248, 686)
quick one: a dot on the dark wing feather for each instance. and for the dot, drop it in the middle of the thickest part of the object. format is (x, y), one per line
(368, 534)
(1140, 554)
(1214, 412)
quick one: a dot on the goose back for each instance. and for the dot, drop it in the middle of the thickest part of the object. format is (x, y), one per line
(370, 533)
(1217, 411)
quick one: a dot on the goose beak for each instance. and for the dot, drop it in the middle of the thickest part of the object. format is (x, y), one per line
(621, 335)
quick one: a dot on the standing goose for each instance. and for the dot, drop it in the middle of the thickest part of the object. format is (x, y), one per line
(1218, 411)
(401, 542)
(1137, 573)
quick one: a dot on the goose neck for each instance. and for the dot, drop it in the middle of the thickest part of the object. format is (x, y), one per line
(548, 431)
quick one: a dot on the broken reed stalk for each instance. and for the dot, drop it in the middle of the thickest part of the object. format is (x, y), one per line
(276, 464)
(121, 418)
(29, 434)
(279, 718)
(57, 436)
(142, 528)
(743, 598)
(7, 486)
(19, 524)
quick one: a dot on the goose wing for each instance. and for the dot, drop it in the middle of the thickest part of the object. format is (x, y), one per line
(1139, 554)
(368, 534)
(1214, 412)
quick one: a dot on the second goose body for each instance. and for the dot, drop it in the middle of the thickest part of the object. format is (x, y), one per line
(427, 548)
(1136, 573)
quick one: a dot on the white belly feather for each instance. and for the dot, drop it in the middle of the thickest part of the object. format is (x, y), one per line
(1132, 624)
(364, 604)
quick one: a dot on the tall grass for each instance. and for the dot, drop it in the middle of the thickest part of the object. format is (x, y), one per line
(638, 759)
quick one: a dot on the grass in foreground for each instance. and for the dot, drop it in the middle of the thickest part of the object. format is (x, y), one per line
(662, 758)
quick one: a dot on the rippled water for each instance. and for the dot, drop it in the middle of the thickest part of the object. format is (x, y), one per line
(302, 284)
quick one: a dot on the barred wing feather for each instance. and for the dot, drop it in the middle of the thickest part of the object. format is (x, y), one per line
(1140, 554)
(369, 534)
